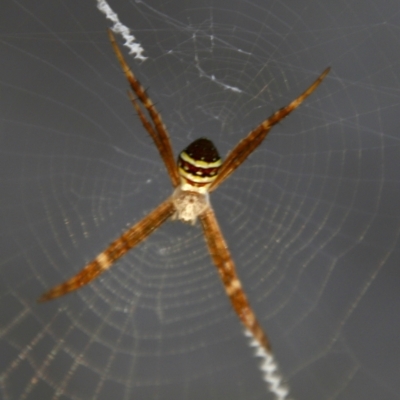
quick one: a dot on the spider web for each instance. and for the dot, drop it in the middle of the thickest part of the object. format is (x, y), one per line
(311, 218)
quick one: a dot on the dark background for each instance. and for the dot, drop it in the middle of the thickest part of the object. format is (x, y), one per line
(311, 218)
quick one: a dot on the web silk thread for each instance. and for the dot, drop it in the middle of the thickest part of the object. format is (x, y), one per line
(270, 370)
(118, 27)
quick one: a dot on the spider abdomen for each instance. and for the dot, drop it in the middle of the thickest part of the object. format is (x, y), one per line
(198, 165)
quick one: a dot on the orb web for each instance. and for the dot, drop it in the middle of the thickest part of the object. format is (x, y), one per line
(311, 218)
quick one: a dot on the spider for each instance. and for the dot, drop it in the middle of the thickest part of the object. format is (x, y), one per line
(198, 172)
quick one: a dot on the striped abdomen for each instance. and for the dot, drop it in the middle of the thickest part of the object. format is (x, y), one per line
(198, 165)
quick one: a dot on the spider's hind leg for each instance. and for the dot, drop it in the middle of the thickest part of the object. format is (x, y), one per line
(247, 145)
(158, 131)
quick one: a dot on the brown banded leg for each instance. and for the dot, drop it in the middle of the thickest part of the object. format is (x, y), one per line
(114, 251)
(227, 271)
(247, 145)
(160, 135)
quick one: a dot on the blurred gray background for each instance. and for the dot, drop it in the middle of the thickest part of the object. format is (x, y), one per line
(311, 218)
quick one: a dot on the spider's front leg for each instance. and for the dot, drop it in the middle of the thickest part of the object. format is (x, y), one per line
(198, 166)
(114, 251)
(227, 271)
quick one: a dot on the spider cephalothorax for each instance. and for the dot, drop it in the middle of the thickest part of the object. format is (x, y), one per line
(199, 170)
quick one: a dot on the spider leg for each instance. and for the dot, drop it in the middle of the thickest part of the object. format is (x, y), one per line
(114, 251)
(159, 133)
(145, 122)
(227, 271)
(247, 145)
